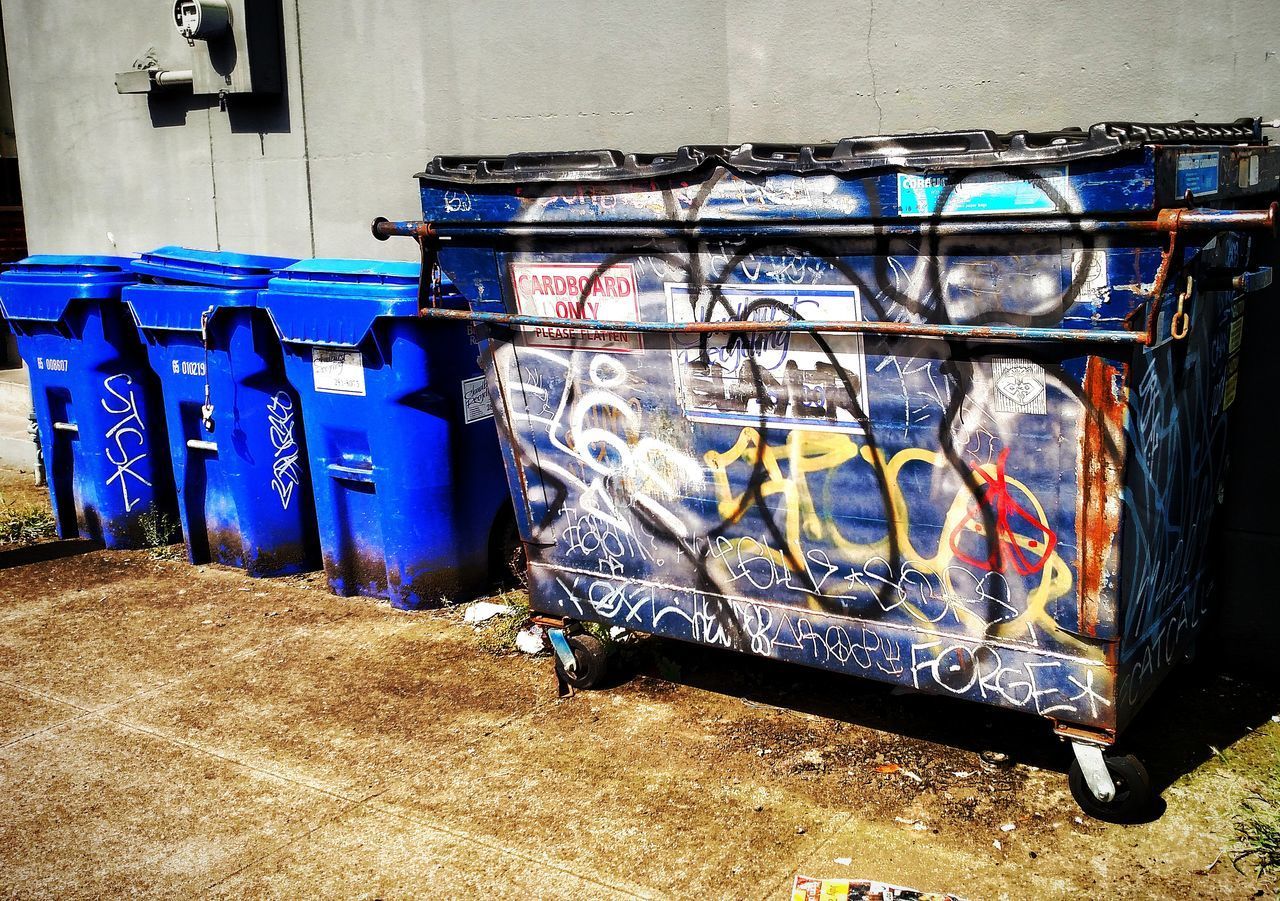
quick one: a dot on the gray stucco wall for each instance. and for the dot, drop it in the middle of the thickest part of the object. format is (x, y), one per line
(376, 87)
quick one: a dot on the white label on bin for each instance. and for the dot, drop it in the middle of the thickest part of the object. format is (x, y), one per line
(578, 291)
(475, 400)
(338, 371)
(51, 364)
(1020, 386)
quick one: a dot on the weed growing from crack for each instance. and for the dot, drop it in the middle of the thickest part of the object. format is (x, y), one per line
(1258, 829)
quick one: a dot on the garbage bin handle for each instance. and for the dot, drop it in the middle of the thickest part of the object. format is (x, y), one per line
(351, 473)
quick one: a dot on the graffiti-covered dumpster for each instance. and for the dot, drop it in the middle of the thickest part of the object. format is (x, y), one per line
(940, 410)
(97, 404)
(235, 433)
(410, 497)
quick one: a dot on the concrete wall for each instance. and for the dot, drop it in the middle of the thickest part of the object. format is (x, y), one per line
(376, 87)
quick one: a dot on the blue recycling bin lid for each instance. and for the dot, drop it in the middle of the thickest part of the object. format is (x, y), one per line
(185, 283)
(335, 302)
(212, 268)
(40, 287)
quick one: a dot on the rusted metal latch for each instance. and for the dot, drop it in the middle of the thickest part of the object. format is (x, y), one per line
(1180, 325)
(206, 409)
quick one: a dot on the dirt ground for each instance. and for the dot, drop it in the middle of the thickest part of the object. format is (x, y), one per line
(176, 730)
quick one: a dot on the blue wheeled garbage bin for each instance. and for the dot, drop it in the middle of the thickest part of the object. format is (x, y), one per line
(940, 410)
(96, 400)
(409, 486)
(236, 437)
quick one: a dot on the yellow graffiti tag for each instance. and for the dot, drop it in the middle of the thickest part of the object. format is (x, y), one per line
(806, 453)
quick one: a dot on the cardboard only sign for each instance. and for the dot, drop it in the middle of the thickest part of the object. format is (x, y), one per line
(578, 291)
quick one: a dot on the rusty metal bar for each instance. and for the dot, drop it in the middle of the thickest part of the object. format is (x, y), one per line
(1169, 220)
(896, 329)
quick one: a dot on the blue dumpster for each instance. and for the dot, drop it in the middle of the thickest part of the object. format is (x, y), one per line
(409, 484)
(235, 431)
(97, 403)
(941, 410)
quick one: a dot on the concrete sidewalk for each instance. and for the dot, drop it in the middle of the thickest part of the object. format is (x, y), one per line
(177, 730)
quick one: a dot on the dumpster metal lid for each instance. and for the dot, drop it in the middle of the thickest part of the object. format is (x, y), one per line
(335, 302)
(182, 307)
(40, 287)
(213, 268)
(936, 150)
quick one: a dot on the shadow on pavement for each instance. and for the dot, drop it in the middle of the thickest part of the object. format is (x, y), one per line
(1198, 709)
(27, 554)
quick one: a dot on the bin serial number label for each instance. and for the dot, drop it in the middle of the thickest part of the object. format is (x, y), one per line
(571, 291)
(50, 364)
(189, 367)
(338, 371)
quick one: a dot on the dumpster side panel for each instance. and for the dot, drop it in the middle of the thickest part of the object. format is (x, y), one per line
(1177, 439)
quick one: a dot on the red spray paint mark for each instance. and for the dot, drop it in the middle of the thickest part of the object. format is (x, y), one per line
(1023, 542)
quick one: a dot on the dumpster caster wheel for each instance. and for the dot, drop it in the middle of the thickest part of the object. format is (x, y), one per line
(1132, 790)
(590, 659)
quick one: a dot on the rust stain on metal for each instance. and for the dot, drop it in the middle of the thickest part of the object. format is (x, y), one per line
(1101, 462)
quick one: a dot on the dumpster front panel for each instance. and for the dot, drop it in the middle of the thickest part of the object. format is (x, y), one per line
(903, 509)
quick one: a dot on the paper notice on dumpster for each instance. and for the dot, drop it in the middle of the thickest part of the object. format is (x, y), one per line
(586, 291)
(338, 371)
(790, 379)
(807, 888)
(475, 400)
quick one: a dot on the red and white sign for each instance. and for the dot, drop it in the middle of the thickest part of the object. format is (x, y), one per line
(578, 291)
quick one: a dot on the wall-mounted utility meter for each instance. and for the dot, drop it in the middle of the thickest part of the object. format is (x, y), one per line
(235, 49)
(201, 20)
(235, 44)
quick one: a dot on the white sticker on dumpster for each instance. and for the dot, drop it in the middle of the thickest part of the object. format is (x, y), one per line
(1020, 386)
(475, 400)
(790, 379)
(571, 291)
(338, 371)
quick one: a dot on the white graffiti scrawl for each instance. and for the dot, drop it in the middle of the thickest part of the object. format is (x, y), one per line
(127, 428)
(285, 467)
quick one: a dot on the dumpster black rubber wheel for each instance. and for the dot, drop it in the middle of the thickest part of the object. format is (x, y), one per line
(592, 660)
(1133, 790)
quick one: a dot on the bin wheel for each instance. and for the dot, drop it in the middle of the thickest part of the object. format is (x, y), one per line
(591, 658)
(1133, 790)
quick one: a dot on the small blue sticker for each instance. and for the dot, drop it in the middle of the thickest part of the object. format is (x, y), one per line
(1198, 173)
(1043, 190)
